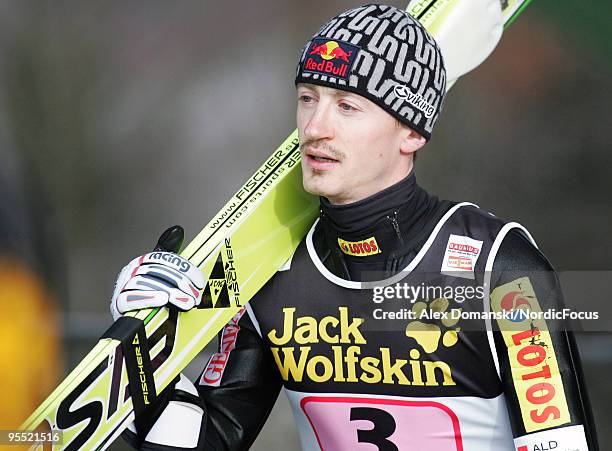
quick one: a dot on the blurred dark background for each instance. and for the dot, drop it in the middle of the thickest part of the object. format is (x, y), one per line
(120, 118)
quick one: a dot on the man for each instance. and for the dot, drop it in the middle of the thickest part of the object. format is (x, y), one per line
(359, 371)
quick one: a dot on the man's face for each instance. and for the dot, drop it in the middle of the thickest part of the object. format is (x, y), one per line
(351, 148)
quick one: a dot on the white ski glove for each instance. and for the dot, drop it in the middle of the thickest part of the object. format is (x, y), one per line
(158, 278)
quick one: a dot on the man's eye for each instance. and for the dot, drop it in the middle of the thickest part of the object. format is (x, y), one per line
(305, 98)
(346, 107)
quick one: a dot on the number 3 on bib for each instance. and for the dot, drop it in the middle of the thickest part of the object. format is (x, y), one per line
(367, 424)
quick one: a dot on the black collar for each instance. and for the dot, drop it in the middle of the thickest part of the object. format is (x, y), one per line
(377, 233)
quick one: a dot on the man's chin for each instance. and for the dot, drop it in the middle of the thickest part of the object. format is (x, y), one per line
(318, 189)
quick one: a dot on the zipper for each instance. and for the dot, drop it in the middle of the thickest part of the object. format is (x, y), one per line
(396, 227)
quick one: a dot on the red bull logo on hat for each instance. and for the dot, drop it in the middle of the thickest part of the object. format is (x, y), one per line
(330, 57)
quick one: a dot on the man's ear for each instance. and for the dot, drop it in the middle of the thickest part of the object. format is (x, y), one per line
(411, 141)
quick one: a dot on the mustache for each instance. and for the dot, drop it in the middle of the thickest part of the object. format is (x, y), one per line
(324, 146)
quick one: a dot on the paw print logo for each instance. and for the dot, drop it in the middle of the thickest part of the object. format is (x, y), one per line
(427, 334)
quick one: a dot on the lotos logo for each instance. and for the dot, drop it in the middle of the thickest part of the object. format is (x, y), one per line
(517, 305)
(361, 248)
(333, 58)
(536, 373)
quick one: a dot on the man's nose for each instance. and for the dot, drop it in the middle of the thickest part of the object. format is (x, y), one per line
(320, 124)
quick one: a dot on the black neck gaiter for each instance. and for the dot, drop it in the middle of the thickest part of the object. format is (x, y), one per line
(379, 234)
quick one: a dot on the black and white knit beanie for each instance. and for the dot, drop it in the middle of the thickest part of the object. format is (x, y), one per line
(383, 54)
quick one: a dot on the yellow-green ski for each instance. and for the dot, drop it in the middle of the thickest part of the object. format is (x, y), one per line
(251, 237)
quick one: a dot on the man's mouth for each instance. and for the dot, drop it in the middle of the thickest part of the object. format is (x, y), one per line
(321, 155)
(323, 159)
(319, 161)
